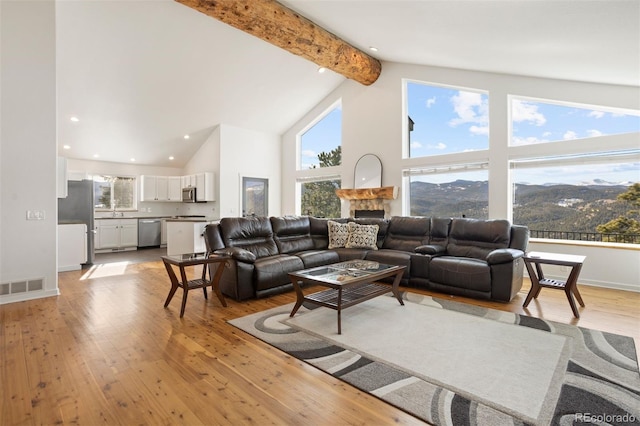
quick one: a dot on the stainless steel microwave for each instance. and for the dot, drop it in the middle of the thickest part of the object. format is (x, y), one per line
(189, 195)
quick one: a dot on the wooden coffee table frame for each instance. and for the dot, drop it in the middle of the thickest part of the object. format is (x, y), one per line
(341, 295)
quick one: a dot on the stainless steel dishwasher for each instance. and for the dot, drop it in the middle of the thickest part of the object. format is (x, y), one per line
(149, 232)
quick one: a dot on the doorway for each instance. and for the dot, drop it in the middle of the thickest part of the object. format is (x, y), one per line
(255, 197)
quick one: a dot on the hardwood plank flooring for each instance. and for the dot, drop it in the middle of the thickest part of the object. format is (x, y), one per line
(106, 352)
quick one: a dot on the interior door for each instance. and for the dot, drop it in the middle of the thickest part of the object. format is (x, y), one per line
(255, 197)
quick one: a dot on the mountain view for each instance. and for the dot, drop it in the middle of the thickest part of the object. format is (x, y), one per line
(549, 207)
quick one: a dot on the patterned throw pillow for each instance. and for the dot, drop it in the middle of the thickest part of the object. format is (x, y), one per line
(362, 236)
(338, 233)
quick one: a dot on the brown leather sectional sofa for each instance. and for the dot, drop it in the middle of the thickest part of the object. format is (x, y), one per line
(468, 257)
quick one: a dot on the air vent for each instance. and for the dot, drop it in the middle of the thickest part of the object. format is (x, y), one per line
(23, 286)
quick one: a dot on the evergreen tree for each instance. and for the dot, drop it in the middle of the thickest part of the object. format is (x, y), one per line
(629, 223)
(319, 198)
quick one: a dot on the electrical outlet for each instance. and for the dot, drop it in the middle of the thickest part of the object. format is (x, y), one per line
(35, 215)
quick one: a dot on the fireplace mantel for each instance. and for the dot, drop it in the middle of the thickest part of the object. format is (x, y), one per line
(369, 198)
(382, 193)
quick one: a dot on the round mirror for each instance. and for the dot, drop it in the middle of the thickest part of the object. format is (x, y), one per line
(368, 172)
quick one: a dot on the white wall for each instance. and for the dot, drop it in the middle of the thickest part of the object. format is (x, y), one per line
(373, 122)
(28, 146)
(247, 153)
(206, 159)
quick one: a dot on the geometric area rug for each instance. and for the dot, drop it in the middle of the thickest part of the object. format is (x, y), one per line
(450, 363)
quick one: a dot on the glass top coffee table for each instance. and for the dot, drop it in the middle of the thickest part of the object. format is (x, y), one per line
(349, 283)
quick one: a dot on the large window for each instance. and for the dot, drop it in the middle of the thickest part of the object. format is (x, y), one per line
(449, 192)
(115, 193)
(320, 152)
(323, 138)
(318, 198)
(536, 121)
(444, 120)
(587, 188)
(588, 198)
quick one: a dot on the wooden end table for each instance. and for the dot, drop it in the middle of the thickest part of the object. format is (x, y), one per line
(533, 262)
(349, 283)
(191, 259)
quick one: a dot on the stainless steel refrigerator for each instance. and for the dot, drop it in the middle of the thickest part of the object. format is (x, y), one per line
(77, 207)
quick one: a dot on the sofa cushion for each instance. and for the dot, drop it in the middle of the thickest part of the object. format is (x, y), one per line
(292, 234)
(407, 233)
(338, 234)
(313, 258)
(460, 272)
(253, 234)
(362, 236)
(392, 257)
(273, 271)
(476, 238)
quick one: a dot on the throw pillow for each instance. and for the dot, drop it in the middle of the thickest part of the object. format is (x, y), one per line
(338, 233)
(362, 236)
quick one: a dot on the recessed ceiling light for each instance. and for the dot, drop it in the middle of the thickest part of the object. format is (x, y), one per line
(373, 49)
(133, 159)
(96, 155)
(66, 147)
(171, 158)
(321, 70)
(74, 119)
(186, 136)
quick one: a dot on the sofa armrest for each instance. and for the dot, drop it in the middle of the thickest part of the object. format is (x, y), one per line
(432, 249)
(504, 255)
(238, 253)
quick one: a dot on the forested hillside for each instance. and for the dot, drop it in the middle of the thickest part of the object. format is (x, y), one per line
(541, 207)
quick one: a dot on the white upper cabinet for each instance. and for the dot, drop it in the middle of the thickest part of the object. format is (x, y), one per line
(205, 187)
(160, 188)
(174, 188)
(169, 188)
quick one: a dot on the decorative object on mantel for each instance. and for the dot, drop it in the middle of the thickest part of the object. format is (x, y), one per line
(369, 198)
(368, 172)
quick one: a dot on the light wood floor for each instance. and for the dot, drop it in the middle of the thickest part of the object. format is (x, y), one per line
(106, 352)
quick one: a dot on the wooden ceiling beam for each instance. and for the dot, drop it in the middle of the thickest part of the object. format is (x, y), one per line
(282, 27)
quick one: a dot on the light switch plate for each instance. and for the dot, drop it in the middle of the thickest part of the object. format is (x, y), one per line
(35, 215)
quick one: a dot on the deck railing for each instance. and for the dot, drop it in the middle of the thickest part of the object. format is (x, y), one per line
(586, 236)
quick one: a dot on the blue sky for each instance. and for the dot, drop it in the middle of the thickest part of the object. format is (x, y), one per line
(324, 136)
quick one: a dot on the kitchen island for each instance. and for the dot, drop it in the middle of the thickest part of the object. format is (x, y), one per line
(186, 234)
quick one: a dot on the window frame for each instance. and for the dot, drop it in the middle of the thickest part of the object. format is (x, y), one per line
(134, 184)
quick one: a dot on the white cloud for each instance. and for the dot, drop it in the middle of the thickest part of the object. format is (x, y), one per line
(437, 146)
(430, 102)
(596, 114)
(531, 140)
(593, 133)
(309, 153)
(546, 134)
(416, 145)
(524, 111)
(470, 108)
(479, 130)
(570, 134)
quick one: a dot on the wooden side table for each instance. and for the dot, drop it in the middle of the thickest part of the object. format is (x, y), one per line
(191, 259)
(533, 262)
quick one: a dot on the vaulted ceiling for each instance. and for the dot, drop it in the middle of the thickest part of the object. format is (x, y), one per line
(140, 75)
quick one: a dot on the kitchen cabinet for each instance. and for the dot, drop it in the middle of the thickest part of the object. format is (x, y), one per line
(160, 188)
(205, 187)
(174, 188)
(116, 234)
